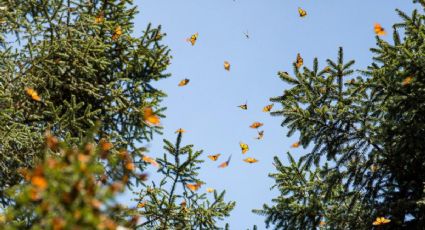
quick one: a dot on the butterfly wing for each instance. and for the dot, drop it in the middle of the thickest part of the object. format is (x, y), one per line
(244, 147)
(214, 157)
(302, 12)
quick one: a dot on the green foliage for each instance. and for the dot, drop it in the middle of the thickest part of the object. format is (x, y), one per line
(367, 135)
(69, 190)
(171, 204)
(82, 60)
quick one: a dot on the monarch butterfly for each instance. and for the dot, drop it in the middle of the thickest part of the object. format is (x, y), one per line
(142, 204)
(407, 81)
(379, 30)
(226, 163)
(295, 145)
(381, 221)
(300, 61)
(260, 135)
(214, 157)
(192, 39)
(256, 125)
(267, 108)
(180, 130)
(322, 223)
(33, 94)
(99, 18)
(250, 160)
(302, 12)
(150, 160)
(227, 65)
(150, 117)
(195, 186)
(244, 147)
(183, 82)
(244, 106)
(117, 33)
(210, 190)
(105, 145)
(246, 34)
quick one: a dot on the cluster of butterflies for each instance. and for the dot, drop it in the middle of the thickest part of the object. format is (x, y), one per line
(151, 118)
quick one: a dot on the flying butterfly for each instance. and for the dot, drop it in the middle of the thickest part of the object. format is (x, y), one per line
(214, 157)
(244, 147)
(246, 34)
(149, 117)
(180, 130)
(210, 190)
(379, 30)
(256, 125)
(226, 163)
(244, 106)
(381, 221)
(183, 82)
(195, 186)
(267, 108)
(260, 135)
(302, 12)
(192, 39)
(295, 145)
(227, 65)
(33, 94)
(150, 160)
(250, 160)
(300, 61)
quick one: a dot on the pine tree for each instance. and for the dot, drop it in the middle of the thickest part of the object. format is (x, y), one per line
(66, 65)
(177, 202)
(367, 136)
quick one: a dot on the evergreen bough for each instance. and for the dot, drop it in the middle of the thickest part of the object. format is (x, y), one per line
(367, 135)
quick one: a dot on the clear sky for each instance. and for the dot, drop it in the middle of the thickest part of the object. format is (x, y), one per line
(206, 107)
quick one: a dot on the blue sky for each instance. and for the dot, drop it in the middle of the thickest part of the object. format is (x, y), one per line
(206, 107)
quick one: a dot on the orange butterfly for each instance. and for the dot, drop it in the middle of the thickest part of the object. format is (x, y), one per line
(183, 82)
(214, 157)
(300, 61)
(244, 147)
(180, 130)
(99, 18)
(250, 160)
(227, 65)
(267, 108)
(302, 12)
(379, 30)
(226, 163)
(192, 39)
(407, 81)
(260, 135)
(210, 190)
(150, 160)
(195, 186)
(117, 33)
(150, 117)
(381, 221)
(33, 94)
(256, 125)
(295, 145)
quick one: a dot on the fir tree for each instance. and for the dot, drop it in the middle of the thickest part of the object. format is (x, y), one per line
(67, 64)
(177, 202)
(367, 135)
